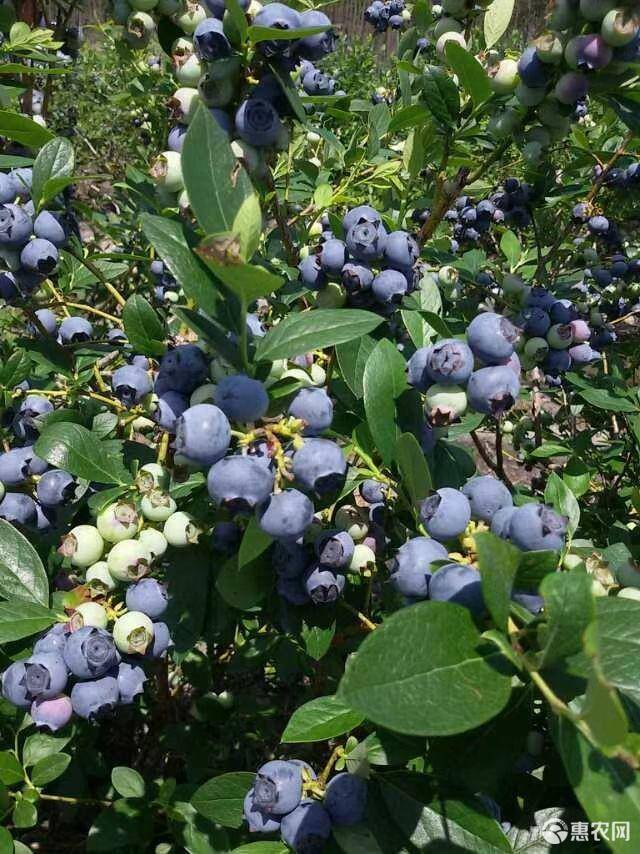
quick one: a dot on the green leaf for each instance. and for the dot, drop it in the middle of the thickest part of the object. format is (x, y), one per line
(212, 332)
(603, 713)
(262, 848)
(533, 567)
(319, 720)
(40, 745)
(143, 327)
(441, 96)
(21, 619)
(25, 814)
(413, 467)
(6, 842)
(352, 357)
(11, 771)
(570, 607)
(314, 330)
(434, 320)
(426, 816)
(22, 574)
(425, 303)
(243, 587)
(618, 644)
(471, 74)
(511, 248)
(220, 192)
(550, 449)
(15, 369)
(317, 639)
(221, 799)
(384, 380)
(80, 452)
(356, 839)
(238, 19)
(23, 129)
(415, 115)
(254, 543)
(425, 672)
(167, 238)
(49, 768)
(498, 562)
(606, 787)
(248, 281)
(266, 34)
(577, 475)
(56, 159)
(127, 782)
(496, 20)
(560, 496)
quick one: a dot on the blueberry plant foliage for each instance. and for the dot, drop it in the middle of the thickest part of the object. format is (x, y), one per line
(319, 508)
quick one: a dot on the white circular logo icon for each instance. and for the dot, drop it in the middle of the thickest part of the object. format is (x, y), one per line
(554, 831)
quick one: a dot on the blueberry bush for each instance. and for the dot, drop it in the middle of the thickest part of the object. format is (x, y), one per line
(320, 424)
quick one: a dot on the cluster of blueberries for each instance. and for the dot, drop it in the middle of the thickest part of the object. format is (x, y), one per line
(554, 74)
(470, 219)
(422, 568)
(29, 241)
(450, 20)
(390, 14)
(598, 225)
(278, 803)
(81, 666)
(620, 177)
(612, 285)
(209, 70)
(165, 289)
(370, 267)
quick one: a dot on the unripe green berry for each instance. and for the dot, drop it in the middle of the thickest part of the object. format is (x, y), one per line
(181, 530)
(83, 545)
(133, 633)
(157, 506)
(119, 521)
(560, 336)
(351, 520)
(128, 560)
(203, 394)
(99, 578)
(363, 557)
(154, 541)
(89, 614)
(446, 402)
(166, 171)
(536, 349)
(152, 476)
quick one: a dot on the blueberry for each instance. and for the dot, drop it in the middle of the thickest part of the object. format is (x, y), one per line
(411, 567)
(459, 583)
(203, 434)
(535, 322)
(175, 140)
(535, 527)
(7, 191)
(14, 688)
(356, 278)
(18, 508)
(258, 820)
(290, 559)
(21, 180)
(17, 464)
(292, 590)
(319, 466)
(148, 596)
(531, 601)
(373, 491)
(333, 256)
(90, 652)
(311, 273)
(389, 287)
(334, 549)
(532, 70)
(492, 337)
(366, 241)
(345, 799)
(226, 537)
(54, 640)
(317, 83)
(50, 226)
(255, 327)
(321, 44)
(501, 522)
(363, 213)
(241, 398)
(493, 390)
(583, 354)
(39, 256)
(53, 713)
(131, 679)
(598, 224)
(278, 787)
(239, 483)
(130, 384)
(94, 700)
(30, 416)
(115, 335)
(323, 585)
(446, 514)
(16, 226)
(401, 250)
(449, 362)
(162, 641)
(168, 408)
(75, 330)
(9, 286)
(539, 297)
(417, 374)
(182, 369)
(210, 42)
(280, 17)
(286, 515)
(563, 311)
(307, 828)
(557, 362)
(486, 496)
(55, 488)
(315, 408)
(257, 122)
(45, 675)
